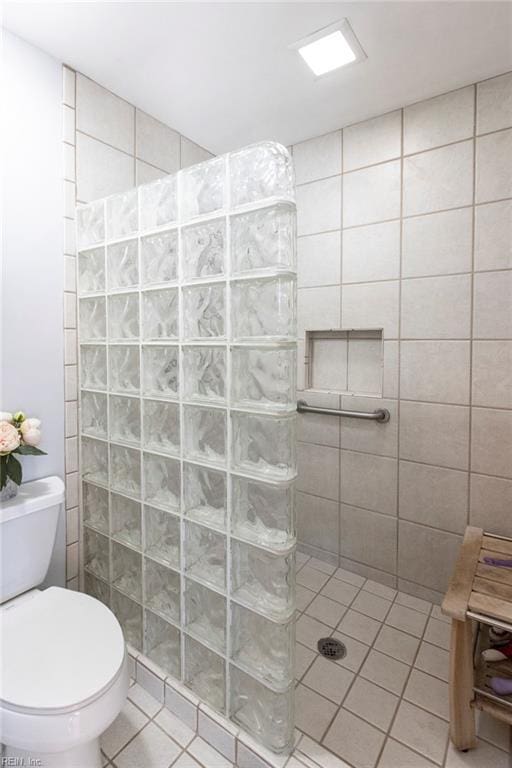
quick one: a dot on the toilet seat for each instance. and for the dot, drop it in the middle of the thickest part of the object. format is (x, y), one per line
(61, 650)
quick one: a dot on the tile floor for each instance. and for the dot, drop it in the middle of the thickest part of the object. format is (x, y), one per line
(385, 705)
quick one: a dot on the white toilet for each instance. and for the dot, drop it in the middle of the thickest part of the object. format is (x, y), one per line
(63, 664)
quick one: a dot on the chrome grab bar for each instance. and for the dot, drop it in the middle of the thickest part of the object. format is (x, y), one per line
(381, 414)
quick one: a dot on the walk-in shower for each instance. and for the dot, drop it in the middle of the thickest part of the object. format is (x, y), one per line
(187, 328)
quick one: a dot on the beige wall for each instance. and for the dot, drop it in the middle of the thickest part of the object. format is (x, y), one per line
(109, 146)
(405, 223)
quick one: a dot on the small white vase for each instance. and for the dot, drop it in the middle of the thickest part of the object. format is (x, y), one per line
(9, 490)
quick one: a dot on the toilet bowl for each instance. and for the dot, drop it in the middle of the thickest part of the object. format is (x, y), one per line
(64, 678)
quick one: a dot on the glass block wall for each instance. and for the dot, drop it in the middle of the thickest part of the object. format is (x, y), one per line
(187, 328)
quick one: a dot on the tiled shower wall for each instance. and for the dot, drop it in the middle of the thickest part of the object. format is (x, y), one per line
(405, 224)
(109, 146)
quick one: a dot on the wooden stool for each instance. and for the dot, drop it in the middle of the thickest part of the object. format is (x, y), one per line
(477, 593)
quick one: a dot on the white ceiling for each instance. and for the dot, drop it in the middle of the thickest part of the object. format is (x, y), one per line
(222, 73)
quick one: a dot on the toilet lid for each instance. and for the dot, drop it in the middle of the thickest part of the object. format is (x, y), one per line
(58, 649)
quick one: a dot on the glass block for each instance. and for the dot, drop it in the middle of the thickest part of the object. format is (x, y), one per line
(125, 470)
(96, 553)
(122, 214)
(97, 588)
(205, 434)
(266, 714)
(93, 366)
(161, 371)
(127, 571)
(160, 314)
(162, 643)
(126, 520)
(94, 460)
(203, 188)
(205, 373)
(205, 673)
(262, 580)
(265, 648)
(263, 513)
(204, 249)
(162, 482)
(205, 615)
(90, 223)
(260, 171)
(123, 264)
(264, 377)
(91, 270)
(205, 497)
(264, 309)
(162, 426)
(123, 316)
(159, 257)
(158, 203)
(162, 535)
(204, 311)
(205, 555)
(124, 369)
(162, 589)
(95, 507)
(129, 615)
(93, 414)
(93, 319)
(264, 444)
(124, 419)
(263, 239)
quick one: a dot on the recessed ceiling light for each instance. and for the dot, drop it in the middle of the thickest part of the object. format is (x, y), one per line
(330, 48)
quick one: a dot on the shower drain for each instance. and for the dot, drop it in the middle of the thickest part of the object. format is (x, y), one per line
(331, 648)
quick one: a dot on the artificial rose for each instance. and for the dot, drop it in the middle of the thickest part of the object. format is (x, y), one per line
(32, 436)
(6, 416)
(28, 425)
(9, 438)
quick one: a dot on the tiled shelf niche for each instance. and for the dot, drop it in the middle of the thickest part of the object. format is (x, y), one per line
(345, 361)
(188, 360)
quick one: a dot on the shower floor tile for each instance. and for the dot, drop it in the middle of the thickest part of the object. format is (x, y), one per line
(383, 705)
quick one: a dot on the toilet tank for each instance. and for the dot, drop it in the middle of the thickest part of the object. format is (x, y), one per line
(28, 524)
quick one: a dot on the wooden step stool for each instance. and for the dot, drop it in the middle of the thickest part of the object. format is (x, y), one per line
(477, 593)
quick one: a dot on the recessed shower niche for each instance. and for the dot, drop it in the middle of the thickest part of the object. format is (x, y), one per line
(345, 362)
(188, 408)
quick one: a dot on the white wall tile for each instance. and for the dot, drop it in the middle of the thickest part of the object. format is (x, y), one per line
(68, 124)
(317, 158)
(68, 86)
(434, 434)
(71, 446)
(371, 194)
(318, 309)
(71, 489)
(371, 253)
(69, 310)
(72, 525)
(318, 522)
(319, 206)
(69, 273)
(492, 373)
(101, 170)
(69, 237)
(70, 383)
(390, 369)
(439, 121)
(68, 162)
(368, 537)
(146, 173)
(491, 442)
(439, 179)
(192, 153)
(494, 104)
(490, 504)
(318, 467)
(71, 419)
(319, 428)
(494, 166)
(433, 496)
(156, 143)
(434, 569)
(70, 350)
(69, 199)
(371, 306)
(436, 307)
(438, 243)
(436, 371)
(319, 259)
(369, 436)
(369, 481)
(328, 364)
(493, 305)
(493, 236)
(365, 365)
(373, 141)
(101, 114)
(72, 554)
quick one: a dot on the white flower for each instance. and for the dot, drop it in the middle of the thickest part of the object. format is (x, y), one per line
(9, 438)
(6, 416)
(32, 436)
(28, 425)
